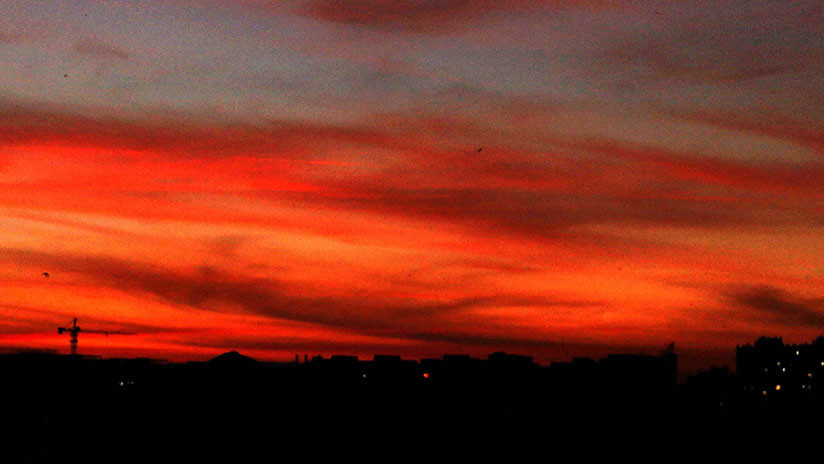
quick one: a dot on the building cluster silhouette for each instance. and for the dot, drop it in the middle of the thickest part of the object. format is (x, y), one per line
(50, 393)
(627, 375)
(775, 374)
(769, 375)
(55, 400)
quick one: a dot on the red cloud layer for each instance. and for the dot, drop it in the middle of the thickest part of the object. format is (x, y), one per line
(488, 230)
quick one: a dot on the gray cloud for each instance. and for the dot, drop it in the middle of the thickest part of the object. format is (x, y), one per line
(209, 289)
(779, 306)
(723, 42)
(94, 47)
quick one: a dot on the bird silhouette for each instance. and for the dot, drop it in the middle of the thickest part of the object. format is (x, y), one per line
(480, 149)
(45, 274)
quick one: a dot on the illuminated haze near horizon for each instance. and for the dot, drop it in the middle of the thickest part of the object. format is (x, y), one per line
(282, 177)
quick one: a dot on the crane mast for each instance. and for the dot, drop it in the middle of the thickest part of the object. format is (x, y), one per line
(74, 330)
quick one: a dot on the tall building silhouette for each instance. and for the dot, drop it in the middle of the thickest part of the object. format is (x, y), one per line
(773, 373)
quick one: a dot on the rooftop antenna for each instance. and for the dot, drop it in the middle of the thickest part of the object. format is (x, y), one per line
(75, 330)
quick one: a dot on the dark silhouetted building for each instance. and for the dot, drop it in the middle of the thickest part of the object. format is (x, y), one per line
(773, 373)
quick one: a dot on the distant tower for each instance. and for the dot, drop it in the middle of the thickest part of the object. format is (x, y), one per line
(74, 331)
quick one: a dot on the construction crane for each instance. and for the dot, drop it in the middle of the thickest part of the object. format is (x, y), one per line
(74, 331)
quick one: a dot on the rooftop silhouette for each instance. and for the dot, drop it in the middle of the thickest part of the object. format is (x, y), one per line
(142, 393)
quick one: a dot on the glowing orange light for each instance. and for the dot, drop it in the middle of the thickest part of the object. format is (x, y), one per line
(426, 375)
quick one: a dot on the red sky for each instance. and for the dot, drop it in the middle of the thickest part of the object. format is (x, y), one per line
(277, 177)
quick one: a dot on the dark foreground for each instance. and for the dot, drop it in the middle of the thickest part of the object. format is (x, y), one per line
(114, 410)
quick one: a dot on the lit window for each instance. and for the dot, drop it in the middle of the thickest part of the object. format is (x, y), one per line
(783, 369)
(426, 375)
(778, 364)
(809, 375)
(797, 352)
(764, 392)
(777, 387)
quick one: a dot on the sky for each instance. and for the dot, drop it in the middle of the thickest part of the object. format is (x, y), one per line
(415, 177)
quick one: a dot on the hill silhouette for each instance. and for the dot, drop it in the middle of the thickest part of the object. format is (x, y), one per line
(233, 359)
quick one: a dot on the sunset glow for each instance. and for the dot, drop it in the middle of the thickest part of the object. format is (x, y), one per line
(552, 178)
